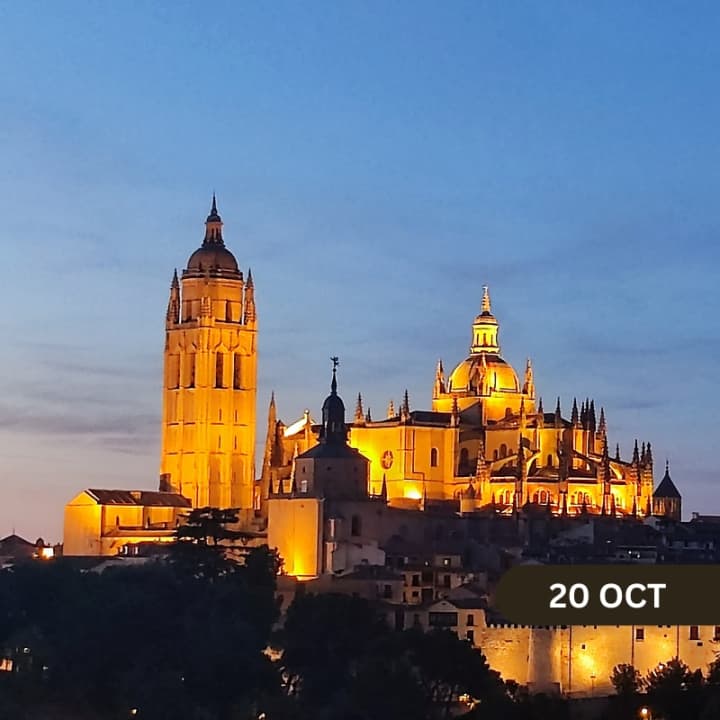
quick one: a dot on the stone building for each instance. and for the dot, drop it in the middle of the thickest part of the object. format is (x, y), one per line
(210, 378)
(102, 522)
(488, 443)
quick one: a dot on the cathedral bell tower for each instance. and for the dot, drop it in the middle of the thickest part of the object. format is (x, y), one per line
(210, 378)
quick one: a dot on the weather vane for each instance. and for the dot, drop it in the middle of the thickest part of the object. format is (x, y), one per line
(335, 361)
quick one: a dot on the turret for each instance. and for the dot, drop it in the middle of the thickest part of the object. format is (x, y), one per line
(602, 425)
(558, 415)
(405, 408)
(439, 385)
(249, 314)
(333, 430)
(485, 329)
(455, 412)
(359, 414)
(667, 501)
(173, 310)
(592, 424)
(270, 447)
(574, 417)
(529, 383)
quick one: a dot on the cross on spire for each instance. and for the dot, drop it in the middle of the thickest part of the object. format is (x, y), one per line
(335, 362)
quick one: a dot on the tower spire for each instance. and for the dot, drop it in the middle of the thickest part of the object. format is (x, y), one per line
(250, 314)
(333, 385)
(529, 383)
(485, 307)
(213, 226)
(405, 409)
(333, 428)
(439, 386)
(173, 310)
(359, 414)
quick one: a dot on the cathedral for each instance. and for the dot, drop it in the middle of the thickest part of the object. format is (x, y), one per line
(487, 444)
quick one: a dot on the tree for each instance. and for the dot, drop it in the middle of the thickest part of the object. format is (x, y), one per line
(209, 526)
(628, 683)
(323, 639)
(448, 668)
(674, 690)
(170, 638)
(626, 680)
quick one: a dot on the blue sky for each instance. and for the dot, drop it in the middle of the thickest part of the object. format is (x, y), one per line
(376, 163)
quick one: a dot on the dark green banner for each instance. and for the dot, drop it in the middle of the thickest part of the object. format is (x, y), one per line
(610, 595)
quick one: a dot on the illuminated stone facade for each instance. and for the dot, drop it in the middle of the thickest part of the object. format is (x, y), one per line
(487, 443)
(102, 522)
(210, 379)
(576, 660)
(321, 518)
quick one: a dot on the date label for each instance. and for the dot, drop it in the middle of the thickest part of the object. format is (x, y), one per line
(612, 595)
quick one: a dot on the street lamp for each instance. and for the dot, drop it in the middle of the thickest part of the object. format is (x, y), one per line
(645, 713)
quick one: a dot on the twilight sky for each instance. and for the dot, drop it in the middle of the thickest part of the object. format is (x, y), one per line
(376, 163)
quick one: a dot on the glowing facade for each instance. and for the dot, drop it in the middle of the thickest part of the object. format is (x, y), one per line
(102, 522)
(210, 379)
(488, 444)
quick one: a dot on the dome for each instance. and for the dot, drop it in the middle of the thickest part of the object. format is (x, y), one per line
(333, 407)
(213, 258)
(500, 375)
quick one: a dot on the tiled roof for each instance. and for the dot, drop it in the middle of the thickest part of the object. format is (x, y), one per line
(139, 497)
(666, 488)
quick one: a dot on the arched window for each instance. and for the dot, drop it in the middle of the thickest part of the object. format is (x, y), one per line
(228, 311)
(549, 460)
(236, 372)
(190, 370)
(219, 370)
(433, 457)
(503, 450)
(464, 462)
(355, 525)
(495, 454)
